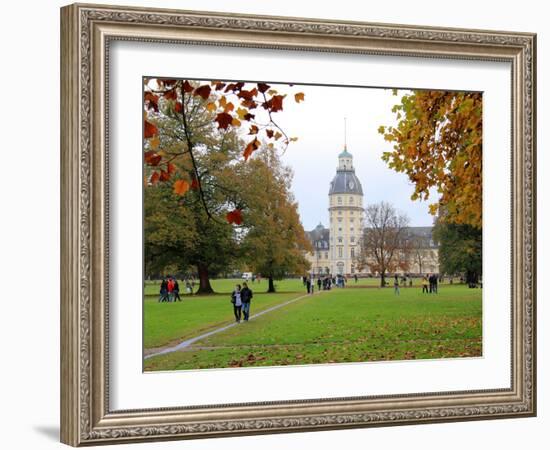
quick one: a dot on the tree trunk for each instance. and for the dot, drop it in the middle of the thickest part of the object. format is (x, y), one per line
(204, 280)
(382, 279)
(271, 286)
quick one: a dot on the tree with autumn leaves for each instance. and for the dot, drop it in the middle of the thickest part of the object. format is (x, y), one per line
(230, 107)
(198, 140)
(438, 145)
(274, 243)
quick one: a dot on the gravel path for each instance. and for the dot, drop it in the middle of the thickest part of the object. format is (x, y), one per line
(184, 344)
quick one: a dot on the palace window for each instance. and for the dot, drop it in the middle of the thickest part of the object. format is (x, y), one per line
(351, 199)
(351, 219)
(352, 239)
(353, 252)
(339, 252)
(326, 255)
(339, 213)
(340, 240)
(339, 219)
(339, 200)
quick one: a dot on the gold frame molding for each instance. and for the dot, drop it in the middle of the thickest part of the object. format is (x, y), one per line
(86, 31)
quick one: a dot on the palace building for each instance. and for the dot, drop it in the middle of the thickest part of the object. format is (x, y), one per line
(337, 247)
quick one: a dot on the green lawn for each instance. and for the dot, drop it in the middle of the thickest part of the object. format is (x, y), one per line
(342, 325)
(166, 323)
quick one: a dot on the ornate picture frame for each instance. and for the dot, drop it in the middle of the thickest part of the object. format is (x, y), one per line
(86, 34)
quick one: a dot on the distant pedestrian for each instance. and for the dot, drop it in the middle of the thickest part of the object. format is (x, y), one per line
(176, 290)
(188, 287)
(436, 279)
(237, 303)
(246, 297)
(355, 278)
(396, 285)
(163, 294)
(425, 285)
(170, 286)
(319, 283)
(307, 283)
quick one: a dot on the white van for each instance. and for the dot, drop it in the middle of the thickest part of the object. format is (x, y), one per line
(246, 276)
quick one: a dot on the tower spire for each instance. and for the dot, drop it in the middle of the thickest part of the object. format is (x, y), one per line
(345, 134)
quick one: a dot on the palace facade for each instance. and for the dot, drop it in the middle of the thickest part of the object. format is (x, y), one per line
(337, 246)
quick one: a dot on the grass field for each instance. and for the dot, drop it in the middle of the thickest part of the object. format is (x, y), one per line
(341, 325)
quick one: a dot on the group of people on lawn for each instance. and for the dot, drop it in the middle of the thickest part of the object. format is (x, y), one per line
(427, 281)
(325, 283)
(170, 289)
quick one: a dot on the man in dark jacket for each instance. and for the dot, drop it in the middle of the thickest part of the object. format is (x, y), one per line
(246, 297)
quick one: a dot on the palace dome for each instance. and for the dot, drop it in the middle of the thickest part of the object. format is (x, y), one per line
(345, 182)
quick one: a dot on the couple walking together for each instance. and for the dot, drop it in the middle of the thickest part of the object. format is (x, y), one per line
(241, 298)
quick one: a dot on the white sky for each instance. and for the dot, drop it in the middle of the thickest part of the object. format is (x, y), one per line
(318, 122)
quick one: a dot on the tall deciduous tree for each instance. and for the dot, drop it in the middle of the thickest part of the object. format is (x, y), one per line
(384, 247)
(274, 242)
(191, 229)
(460, 250)
(438, 144)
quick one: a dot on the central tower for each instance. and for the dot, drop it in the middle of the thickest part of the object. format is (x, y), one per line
(346, 216)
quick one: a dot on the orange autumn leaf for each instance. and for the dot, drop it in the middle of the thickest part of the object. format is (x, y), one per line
(154, 178)
(224, 120)
(181, 187)
(234, 217)
(149, 130)
(203, 91)
(277, 103)
(250, 148)
(151, 158)
(187, 87)
(164, 176)
(299, 97)
(151, 101)
(262, 87)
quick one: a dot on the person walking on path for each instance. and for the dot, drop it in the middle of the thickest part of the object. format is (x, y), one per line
(425, 285)
(163, 294)
(319, 283)
(176, 290)
(236, 299)
(396, 285)
(308, 285)
(246, 297)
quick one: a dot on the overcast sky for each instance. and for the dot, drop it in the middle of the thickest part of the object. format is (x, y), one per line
(318, 122)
